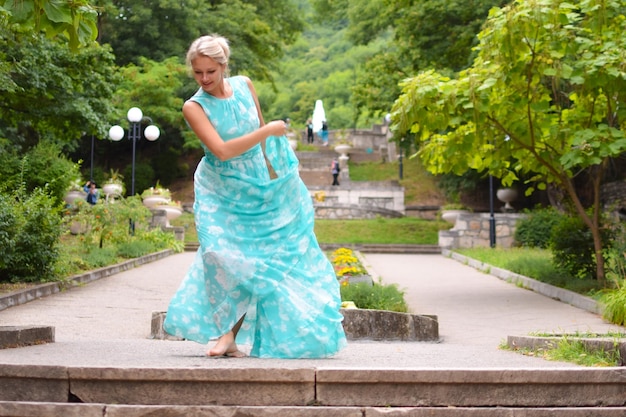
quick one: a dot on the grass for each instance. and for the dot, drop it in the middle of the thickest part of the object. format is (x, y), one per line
(570, 348)
(405, 230)
(375, 297)
(420, 187)
(532, 263)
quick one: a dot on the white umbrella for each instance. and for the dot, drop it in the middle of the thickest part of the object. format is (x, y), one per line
(319, 116)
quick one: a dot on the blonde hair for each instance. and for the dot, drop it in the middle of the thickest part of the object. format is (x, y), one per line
(212, 46)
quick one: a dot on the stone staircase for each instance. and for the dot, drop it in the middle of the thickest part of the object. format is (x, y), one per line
(236, 391)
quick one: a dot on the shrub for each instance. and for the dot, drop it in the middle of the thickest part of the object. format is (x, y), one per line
(135, 249)
(374, 297)
(535, 230)
(43, 166)
(30, 227)
(572, 247)
(109, 223)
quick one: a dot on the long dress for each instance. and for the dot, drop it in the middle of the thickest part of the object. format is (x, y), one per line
(258, 256)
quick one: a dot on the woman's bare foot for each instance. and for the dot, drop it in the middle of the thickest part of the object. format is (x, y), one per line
(226, 346)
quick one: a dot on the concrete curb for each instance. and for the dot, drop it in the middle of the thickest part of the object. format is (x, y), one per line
(599, 344)
(556, 293)
(359, 324)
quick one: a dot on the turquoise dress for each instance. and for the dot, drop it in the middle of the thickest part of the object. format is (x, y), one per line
(258, 254)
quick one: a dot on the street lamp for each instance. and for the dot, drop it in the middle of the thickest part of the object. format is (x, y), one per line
(116, 133)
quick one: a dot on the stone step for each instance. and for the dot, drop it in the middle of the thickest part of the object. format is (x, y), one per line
(594, 390)
(29, 409)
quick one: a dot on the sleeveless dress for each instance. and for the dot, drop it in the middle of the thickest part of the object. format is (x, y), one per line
(258, 254)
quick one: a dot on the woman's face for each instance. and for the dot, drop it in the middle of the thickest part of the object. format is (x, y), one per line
(208, 73)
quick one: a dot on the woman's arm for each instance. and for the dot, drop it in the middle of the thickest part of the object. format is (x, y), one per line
(203, 128)
(256, 100)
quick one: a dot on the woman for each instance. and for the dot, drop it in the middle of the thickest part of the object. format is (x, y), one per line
(259, 276)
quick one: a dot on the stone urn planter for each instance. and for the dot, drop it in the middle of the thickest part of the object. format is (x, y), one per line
(171, 212)
(73, 195)
(152, 201)
(112, 188)
(451, 215)
(342, 150)
(507, 195)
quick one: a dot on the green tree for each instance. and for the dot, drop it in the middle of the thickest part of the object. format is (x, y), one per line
(53, 93)
(258, 30)
(417, 35)
(549, 77)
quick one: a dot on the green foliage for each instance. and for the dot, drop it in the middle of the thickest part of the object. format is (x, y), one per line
(109, 223)
(74, 21)
(535, 230)
(57, 94)
(43, 166)
(320, 65)
(614, 252)
(158, 239)
(257, 29)
(572, 247)
(557, 102)
(533, 263)
(98, 258)
(135, 249)
(30, 227)
(570, 348)
(614, 303)
(375, 297)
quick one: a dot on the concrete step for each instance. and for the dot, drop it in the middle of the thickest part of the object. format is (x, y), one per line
(29, 409)
(594, 390)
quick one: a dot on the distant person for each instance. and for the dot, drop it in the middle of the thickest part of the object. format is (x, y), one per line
(92, 192)
(335, 169)
(309, 131)
(324, 133)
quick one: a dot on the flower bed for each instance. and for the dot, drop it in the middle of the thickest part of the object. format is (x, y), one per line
(346, 264)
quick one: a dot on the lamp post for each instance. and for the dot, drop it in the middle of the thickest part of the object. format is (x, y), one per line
(116, 133)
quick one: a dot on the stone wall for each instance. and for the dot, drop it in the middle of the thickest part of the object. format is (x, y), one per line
(472, 230)
(359, 201)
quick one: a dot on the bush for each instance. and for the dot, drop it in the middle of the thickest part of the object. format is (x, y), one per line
(30, 226)
(614, 306)
(535, 230)
(43, 166)
(375, 297)
(572, 247)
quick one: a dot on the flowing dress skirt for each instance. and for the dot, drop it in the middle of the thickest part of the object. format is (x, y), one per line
(258, 259)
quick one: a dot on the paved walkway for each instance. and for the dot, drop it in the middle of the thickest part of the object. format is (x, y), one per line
(107, 322)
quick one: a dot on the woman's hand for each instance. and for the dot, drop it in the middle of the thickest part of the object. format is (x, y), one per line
(276, 128)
